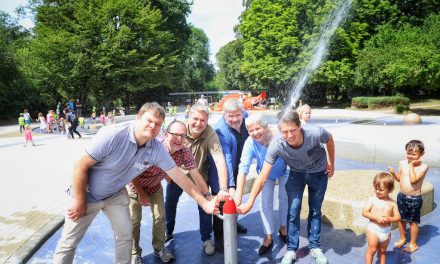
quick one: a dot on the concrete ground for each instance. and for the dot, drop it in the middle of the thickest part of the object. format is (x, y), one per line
(33, 199)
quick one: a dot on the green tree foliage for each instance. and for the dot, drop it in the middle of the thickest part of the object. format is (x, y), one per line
(197, 67)
(276, 35)
(16, 92)
(108, 49)
(405, 60)
(230, 75)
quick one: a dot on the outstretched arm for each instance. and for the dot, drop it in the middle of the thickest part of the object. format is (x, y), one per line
(210, 207)
(241, 179)
(79, 184)
(256, 188)
(198, 179)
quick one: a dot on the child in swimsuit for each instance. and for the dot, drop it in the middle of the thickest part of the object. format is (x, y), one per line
(382, 211)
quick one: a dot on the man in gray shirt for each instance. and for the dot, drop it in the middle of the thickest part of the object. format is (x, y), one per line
(302, 149)
(115, 156)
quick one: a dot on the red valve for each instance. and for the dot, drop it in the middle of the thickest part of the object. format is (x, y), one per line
(229, 207)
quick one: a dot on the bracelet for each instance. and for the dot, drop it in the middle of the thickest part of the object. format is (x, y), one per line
(224, 189)
(208, 193)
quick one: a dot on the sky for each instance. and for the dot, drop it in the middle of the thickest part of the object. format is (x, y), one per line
(217, 18)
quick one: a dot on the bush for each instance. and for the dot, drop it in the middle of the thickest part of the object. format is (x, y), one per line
(401, 108)
(380, 102)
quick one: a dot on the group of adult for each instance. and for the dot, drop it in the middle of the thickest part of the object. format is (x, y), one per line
(202, 161)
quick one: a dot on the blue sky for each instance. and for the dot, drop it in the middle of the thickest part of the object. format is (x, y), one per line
(216, 17)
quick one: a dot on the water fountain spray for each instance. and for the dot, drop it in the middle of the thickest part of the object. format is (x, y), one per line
(320, 50)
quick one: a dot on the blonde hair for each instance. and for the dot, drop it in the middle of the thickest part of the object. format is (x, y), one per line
(385, 179)
(303, 108)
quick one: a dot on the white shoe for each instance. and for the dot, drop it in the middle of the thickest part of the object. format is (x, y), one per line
(289, 257)
(319, 256)
(137, 259)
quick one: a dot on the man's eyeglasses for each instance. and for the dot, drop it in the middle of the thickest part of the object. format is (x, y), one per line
(178, 135)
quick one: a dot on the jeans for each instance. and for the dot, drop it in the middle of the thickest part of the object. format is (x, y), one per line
(317, 185)
(173, 193)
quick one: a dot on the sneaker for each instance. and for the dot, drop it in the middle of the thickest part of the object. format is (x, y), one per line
(319, 256)
(164, 254)
(289, 257)
(209, 248)
(137, 259)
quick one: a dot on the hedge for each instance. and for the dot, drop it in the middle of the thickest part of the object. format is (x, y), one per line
(379, 102)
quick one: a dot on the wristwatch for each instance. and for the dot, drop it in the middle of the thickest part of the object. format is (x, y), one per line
(208, 193)
(224, 189)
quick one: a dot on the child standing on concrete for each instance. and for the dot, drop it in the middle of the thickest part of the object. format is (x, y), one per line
(382, 211)
(410, 174)
(21, 122)
(28, 135)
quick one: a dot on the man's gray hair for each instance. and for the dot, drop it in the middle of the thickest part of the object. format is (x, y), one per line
(256, 119)
(199, 108)
(232, 105)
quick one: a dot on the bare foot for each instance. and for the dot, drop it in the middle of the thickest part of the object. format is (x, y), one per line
(411, 248)
(400, 243)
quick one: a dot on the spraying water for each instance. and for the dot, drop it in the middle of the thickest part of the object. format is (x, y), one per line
(326, 31)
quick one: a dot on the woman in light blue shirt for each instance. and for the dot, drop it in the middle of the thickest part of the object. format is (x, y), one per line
(255, 147)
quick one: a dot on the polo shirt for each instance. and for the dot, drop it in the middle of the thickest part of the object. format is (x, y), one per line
(201, 147)
(120, 159)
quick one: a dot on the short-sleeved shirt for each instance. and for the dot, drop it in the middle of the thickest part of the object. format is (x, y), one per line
(120, 159)
(150, 179)
(310, 156)
(201, 147)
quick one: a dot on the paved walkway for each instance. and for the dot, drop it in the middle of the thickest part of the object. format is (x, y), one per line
(33, 200)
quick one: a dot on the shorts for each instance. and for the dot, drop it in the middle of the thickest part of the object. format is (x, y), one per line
(383, 233)
(409, 207)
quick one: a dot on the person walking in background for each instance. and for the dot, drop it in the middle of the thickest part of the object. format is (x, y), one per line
(410, 175)
(28, 135)
(43, 123)
(305, 113)
(303, 151)
(73, 122)
(27, 117)
(21, 122)
(255, 147)
(49, 120)
(81, 122)
(78, 107)
(202, 100)
(115, 156)
(102, 118)
(381, 210)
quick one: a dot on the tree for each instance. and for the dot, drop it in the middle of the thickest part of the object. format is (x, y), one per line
(109, 49)
(404, 60)
(197, 67)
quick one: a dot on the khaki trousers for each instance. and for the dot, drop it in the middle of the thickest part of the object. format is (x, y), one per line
(157, 206)
(116, 210)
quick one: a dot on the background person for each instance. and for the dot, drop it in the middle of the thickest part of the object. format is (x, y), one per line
(305, 113)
